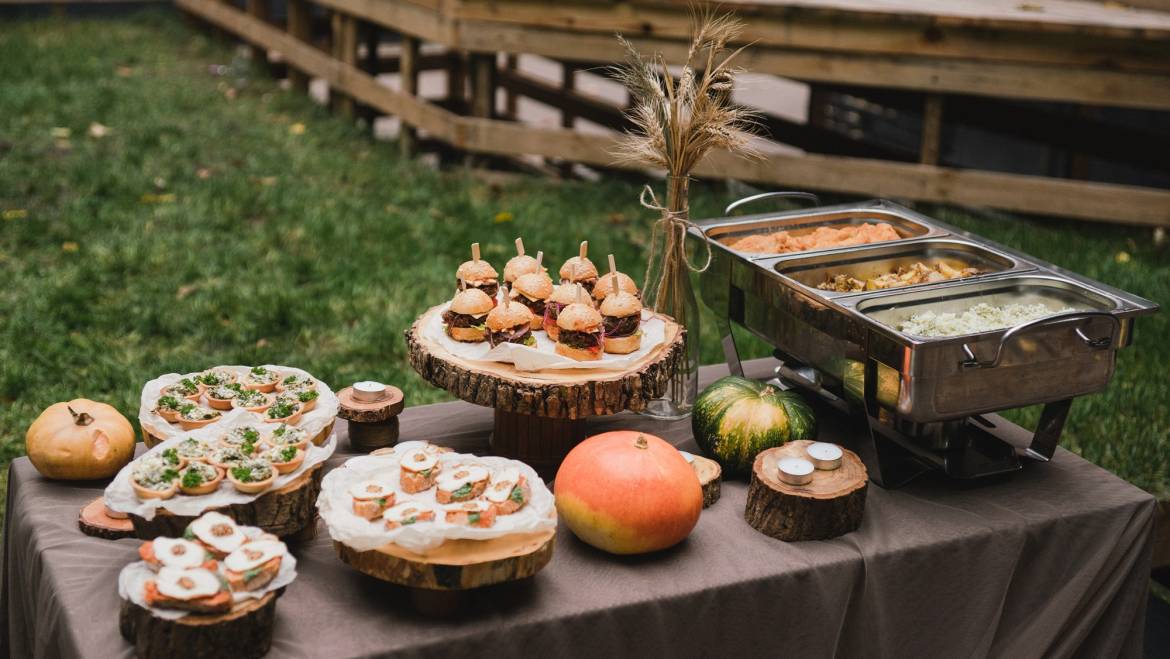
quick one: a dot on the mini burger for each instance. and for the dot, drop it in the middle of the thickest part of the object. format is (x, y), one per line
(510, 323)
(532, 290)
(604, 285)
(581, 333)
(520, 265)
(621, 315)
(562, 296)
(580, 270)
(478, 273)
(465, 318)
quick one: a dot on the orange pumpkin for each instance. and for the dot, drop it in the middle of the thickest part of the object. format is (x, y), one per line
(627, 492)
(80, 440)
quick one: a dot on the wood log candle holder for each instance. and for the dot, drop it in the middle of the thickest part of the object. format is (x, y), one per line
(829, 505)
(372, 410)
(245, 632)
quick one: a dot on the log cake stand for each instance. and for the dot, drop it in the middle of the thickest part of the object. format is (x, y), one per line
(829, 506)
(539, 416)
(440, 579)
(710, 478)
(373, 424)
(245, 632)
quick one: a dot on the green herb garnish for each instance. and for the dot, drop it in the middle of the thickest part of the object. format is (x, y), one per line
(168, 403)
(252, 574)
(462, 492)
(188, 534)
(259, 370)
(288, 453)
(171, 456)
(281, 409)
(382, 501)
(517, 495)
(307, 395)
(409, 520)
(192, 478)
(473, 518)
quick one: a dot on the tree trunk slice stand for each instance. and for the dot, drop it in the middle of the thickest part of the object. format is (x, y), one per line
(101, 522)
(829, 506)
(539, 416)
(710, 478)
(373, 423)
(245, 632)
(440, 578)
(289, 512)
(152, 441)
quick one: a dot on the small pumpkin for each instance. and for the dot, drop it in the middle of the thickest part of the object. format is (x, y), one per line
(735, 419)
(79, 440)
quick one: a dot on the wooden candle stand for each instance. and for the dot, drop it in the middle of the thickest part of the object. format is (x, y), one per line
(539, 416)
(373, 418)
(830, 505)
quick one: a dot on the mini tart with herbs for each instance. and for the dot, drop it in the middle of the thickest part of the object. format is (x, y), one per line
(461, 483)
(252, 476)
(186, 388)
(260, 378)
(244, 438)
(408, 513)
(218, 376)
(220, 396)
(193, 450)
(226, 457)
(173, 458)
(192, 416)
(296, 383)
(508, 492)
(200, 478)
(480, 514)
(418, 470)
(306, 398)
(253, 401)
(371, 498)
(284, 411)
(168, 407)
(286, 435)
(152, 477)
(285, 459)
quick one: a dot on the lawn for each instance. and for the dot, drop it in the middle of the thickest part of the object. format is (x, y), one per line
(165, 208)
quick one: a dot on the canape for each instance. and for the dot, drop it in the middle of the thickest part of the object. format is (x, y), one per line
(284, 411)
(200, 478)
(464, 320)
(478, 274)
(508, 492)
(173, 458)
(286, 435)
(198, 590)
(254, 565)
(260, 378)
(296, 383)
(220, 396)
(253, 401)
(581, 335)
(193, 416)
(244, 438)
(408, 513)
(175, 553)
(419, 468)
(226, 457)
(217, 533)
(285, 459)
(193, 450)
(460, 483)
(472, 513)
(152, 477)
(371, 498)
(510, 323)
(252, 476)
(604, 285)
(580, 270)
(214, 377)
(561, 297)
(533, 290)
(185, 388)
(168, 408)
(306, 397)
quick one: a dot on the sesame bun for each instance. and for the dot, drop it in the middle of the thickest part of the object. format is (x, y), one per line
(579, 318)
(604, 285)
(623, 345)
(620, 305)
(507, 316)
(471, 302)
(518, 266)
(566, 294)
(580, 354)
(466, 334)
(578, 269)
(534, 286)
(476, 271)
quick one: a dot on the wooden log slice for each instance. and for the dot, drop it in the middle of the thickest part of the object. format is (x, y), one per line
(563, 394)
(95, 520)
(152, 441)
(455, 564)
(831, 505)
(286, 512)
(352, 409)
(245, 632)
(710, 477)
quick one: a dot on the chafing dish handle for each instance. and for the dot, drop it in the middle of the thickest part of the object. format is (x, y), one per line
(807, 196)
(1096, 343)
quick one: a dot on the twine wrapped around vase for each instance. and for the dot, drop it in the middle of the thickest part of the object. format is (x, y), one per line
(671, 230)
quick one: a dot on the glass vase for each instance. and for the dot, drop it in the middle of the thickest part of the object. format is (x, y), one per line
(669, 291)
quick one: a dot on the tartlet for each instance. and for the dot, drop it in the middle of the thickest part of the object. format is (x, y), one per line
(184, 388)
(285, 459)
(152, 477)
(260, 378)
(168, 408)
(286, 435)
(214, 377)
(226, 457)
(200, 478)
(240, 438)
(193, 450)
(193, 416)
(284, 411)
(252, 476)
(220, 396)
(253, 401)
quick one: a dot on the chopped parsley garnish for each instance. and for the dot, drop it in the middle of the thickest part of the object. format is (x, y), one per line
(530, 340)
(382, 501)
(288, 453)
(192, 478)
(517, 495)
(171, 456)
(252, 574)
(462, 492)
(281, 409)
(188, 534)
(409, 520)
(473, 518)
(307, 395)
(259, 370)
(425, 472)
(168, 403)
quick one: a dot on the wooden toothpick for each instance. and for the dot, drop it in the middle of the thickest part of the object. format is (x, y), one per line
(580, 290)
(613, 274)
(475, 251)
(520, 246)
(539, 259)
(584, 249)
(507, 297)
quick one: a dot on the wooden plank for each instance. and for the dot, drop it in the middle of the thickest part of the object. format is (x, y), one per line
(931, 129)
(427, 23)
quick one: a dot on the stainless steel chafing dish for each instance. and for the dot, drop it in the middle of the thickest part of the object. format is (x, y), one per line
(933, 397)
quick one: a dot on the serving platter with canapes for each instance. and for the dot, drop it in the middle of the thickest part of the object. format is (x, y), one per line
(209, 591)
(438, 522)
(545, 356)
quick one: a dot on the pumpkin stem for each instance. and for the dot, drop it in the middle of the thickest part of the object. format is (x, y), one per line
(767, 390)
(641, 442)
(82, 419)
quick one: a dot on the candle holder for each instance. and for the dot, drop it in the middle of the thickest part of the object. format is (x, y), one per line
(372, 409)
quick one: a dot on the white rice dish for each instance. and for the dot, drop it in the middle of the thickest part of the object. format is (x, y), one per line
(982, 317)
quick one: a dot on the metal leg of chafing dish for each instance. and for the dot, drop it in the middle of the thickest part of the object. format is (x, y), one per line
(730, 351)
(1048, 431)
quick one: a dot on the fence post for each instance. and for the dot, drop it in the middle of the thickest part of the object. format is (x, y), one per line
(408, 70)
(300, 25)
(344, 51)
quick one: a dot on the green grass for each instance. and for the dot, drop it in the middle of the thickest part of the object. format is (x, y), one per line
(206, 229)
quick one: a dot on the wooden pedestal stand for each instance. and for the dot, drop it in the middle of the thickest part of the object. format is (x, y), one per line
(539, 415)
(245, 632)
(831, 505)
(710, 478)
(374, 424)
(439, 579)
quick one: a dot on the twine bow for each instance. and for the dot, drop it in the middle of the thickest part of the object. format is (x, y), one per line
(673, 227)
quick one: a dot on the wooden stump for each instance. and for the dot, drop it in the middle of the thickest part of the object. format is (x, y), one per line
(710, 477)
(372, 425)
(243, 633)
(289, 512)
(831, 505)
(152, 441)
(96, 520)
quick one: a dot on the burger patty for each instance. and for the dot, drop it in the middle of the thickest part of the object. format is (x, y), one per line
(453, 319)
(581, 340)
(490, 288)
(616, 327)
(536, 306)
(588, 284)
(519, 334)
(551, 311)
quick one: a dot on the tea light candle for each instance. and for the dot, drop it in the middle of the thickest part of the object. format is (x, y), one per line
(824, 455)
(795, 471)
(368, 391)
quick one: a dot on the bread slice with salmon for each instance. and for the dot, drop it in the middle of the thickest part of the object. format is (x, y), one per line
(371, 498)
(176, 553)
(461, 483)
(418, 470)
(198, 590)
(508, 492)
(254, 565)
(480, 514)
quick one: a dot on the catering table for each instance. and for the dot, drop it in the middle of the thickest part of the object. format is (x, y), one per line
(1051, 562)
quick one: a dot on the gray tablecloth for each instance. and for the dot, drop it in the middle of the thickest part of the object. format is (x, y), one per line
(1052, 562)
